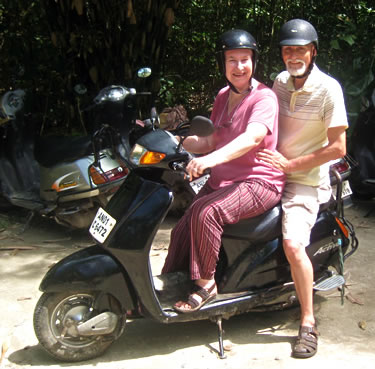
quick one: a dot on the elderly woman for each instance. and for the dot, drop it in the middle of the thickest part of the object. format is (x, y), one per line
(245, 116)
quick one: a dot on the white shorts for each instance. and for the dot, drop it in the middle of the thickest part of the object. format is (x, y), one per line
(300, 204)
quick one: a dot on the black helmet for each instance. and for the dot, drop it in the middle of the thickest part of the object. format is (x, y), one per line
(235, 39)
(298, 32)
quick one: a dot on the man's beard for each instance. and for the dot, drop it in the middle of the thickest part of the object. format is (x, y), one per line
(295, 72)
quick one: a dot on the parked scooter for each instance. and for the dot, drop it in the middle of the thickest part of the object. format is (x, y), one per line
(66, 178)
(87, 295)
(362, 148)
(118, 105)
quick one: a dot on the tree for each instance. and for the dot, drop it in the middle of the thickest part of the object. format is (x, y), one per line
(346, 45)
(52, 46)
(86, 44)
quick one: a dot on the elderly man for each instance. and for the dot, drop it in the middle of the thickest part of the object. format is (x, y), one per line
(312, 124)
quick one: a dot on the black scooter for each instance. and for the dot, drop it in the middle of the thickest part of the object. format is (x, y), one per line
(87, 295)
(362, 149)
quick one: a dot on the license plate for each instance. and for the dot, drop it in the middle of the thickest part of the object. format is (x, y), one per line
(346, 190)
(102, 225)
(198, 183)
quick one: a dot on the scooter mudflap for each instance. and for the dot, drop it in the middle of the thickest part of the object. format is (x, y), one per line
(334, 281)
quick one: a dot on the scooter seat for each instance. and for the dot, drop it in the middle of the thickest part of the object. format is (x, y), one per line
(263, 228)
(52, 150)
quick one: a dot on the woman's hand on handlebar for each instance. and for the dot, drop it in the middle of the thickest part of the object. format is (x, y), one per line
(197, 167)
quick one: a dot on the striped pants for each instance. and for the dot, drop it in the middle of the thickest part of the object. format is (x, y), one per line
(196, 238)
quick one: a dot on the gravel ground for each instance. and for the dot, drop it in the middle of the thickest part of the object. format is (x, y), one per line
(254, 340)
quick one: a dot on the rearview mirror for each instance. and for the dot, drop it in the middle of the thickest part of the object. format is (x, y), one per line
(144, 72)
(201, 126)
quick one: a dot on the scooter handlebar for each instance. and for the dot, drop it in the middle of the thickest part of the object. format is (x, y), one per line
(182, 168)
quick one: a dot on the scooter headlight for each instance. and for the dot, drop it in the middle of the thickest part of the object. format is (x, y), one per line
(140, 155)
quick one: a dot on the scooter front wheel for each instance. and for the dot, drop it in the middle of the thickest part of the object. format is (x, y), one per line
(57, 318)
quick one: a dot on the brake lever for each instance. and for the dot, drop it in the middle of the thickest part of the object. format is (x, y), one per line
(179, 167)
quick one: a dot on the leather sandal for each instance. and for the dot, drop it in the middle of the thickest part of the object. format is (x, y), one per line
(307, 343)
(194, 305)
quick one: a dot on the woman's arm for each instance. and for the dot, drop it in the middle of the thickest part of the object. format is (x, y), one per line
(251, 138)
(199, 145)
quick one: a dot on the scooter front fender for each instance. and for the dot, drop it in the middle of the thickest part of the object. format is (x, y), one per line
(91, 269)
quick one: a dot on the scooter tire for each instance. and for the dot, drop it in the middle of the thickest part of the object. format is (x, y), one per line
(58, 338)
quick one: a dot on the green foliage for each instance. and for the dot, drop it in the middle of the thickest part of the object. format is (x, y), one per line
(346, 44)
(50, 46)
(23, 52)
(351, 56)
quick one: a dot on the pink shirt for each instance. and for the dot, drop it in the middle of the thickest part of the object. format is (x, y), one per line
(259, 106)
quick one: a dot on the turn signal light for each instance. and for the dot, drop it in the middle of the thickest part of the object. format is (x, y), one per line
(99, 177)
(341, 166)
(151, 157)
(343, 228)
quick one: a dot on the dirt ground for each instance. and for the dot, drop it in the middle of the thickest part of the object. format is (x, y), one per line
(254, 340)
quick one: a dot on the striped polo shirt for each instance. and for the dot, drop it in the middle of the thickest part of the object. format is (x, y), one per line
(304, 118)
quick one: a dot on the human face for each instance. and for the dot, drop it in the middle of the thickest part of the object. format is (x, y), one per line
(239, 68)
(297, 58)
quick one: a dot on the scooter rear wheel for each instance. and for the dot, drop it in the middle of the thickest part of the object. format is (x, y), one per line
(56, 317)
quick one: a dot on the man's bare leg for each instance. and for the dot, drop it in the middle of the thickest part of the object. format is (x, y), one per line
(303, 277)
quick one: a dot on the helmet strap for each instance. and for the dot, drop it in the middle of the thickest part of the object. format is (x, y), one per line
(238, 92)
(307, 72)
(309, 68)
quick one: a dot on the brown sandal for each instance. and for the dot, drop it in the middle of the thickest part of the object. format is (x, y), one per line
(307, 343)
(193, 303)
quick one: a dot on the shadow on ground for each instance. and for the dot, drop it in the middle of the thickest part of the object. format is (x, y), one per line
(253, 339)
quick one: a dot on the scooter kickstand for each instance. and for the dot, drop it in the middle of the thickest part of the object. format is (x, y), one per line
(220, 336)
(28, 221)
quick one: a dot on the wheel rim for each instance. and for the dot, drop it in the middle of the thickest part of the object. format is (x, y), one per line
(67, 315)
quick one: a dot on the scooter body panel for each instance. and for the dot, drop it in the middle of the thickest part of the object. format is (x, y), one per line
(19, 173)
(325, 241)
(62, 179)
(362, 148)
(90, 269)
(70, 181)
(258, 261)
(139, 207)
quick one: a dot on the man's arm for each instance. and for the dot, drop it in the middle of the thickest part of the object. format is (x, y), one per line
(335, 149)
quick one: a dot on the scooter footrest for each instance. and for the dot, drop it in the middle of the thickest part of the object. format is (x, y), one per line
(334, 281)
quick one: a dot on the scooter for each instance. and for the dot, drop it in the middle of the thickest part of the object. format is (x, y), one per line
(362, 149)
(88, 296)
(118, 105)
(68, 178)
(65, 178)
